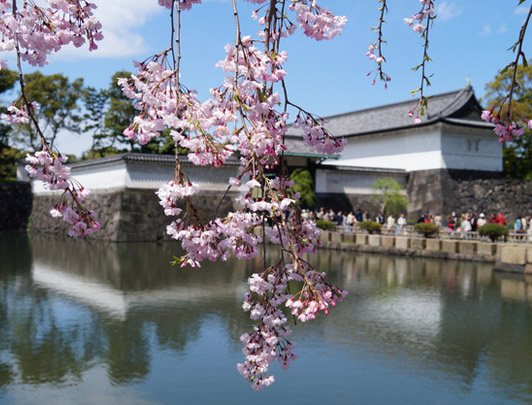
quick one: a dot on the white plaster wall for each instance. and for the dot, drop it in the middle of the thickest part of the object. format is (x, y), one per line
(471, 150)
(416, 149)
(111, 175)
(149, 175)
(333, 181)
(143, 175)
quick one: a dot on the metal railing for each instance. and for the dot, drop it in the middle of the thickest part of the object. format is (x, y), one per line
(445, 233)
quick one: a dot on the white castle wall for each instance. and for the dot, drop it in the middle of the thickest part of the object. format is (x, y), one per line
(439, 146)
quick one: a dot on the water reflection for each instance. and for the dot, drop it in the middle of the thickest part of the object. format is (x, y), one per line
(70, 307)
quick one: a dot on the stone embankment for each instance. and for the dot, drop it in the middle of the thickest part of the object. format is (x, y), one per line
(506, 256)
(15, 205)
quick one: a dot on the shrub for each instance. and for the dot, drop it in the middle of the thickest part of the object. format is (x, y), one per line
(326, 225)
(493, 231)
(427, 230)
(371, 226)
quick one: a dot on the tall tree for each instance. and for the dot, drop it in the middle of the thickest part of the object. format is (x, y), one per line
(304, 185)
(8, 154)
(387, 193)
(517, 155)
(108, 113)
(59, 110)
(96, 103)
(119, 115)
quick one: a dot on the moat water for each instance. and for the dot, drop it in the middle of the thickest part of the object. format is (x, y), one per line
(91, 323)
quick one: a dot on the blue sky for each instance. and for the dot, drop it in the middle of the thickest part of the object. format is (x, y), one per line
(469, 39)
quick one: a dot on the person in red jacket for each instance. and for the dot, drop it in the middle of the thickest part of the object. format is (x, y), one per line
(501, 219)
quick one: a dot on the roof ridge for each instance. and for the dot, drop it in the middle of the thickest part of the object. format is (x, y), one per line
(391, 104)
(461, 99)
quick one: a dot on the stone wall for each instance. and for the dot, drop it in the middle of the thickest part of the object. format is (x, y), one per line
(466, 191)
(126, 215)
(15, 205)
(346, 202)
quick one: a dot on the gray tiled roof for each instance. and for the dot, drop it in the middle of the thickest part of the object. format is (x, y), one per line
(460, 107)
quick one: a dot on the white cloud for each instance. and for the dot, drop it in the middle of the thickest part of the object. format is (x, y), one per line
(446, 11)
(486, 30)
(502, 29)
(121, 20)
(521, 10)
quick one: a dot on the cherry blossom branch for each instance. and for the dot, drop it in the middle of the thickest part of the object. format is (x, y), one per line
(427, 11)
(502, 112)
(48, 165)
(377, 46)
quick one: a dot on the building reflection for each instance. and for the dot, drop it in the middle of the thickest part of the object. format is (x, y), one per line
(68, 305)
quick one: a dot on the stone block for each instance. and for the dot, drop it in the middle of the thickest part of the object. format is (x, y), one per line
(374, 240)
(501, 245)
(417, 243)
(402, 242)
(528, 253)
(467, 247)
(513, 255)
(325, 236)
(336, 237)
(388, 241)
(362, 239)
(449, 246)
(486, 248)
(349, 237)
(433, 244)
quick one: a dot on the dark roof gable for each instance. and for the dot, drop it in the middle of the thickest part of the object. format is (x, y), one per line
(459, 106)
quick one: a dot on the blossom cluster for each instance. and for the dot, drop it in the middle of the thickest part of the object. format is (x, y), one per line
(371, 54)
(83, 222)
(50, 169)
(416, 21)
(241, 114)
(268, 341)
(217, 239)
(268, 292)
(40, 31)
(315, 135)
(185, 4)
(506, 128)
(162, 105)
(317, 23)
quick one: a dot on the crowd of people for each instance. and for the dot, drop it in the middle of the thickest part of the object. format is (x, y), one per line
(350, 220)
(463, 224)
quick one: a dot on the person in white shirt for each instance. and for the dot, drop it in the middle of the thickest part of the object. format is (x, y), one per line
(465, 225)
(390, 223)
(481, 220)
(401, 223)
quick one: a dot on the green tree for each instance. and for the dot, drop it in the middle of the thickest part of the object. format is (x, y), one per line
(8, 154)
(304, 185)
(108, 113)
(95, 103)
(386, 192)
(59, 110)
(119, 114)
(517, 153)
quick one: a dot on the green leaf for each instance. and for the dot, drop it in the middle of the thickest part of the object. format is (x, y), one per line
(177, 260)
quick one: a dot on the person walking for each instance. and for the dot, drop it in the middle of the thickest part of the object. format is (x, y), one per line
(401, 223)
(390, 223)
(350, 220)
(481, 220)
(501, 219)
